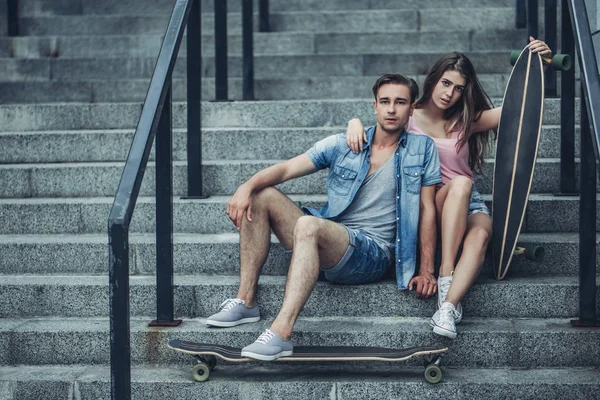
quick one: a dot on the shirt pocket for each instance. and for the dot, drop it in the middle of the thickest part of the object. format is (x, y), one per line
(341, 179)
(413, 176)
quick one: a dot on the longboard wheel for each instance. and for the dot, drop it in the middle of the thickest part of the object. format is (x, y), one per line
(561, 62)
(535, 253)
(200, 372)
(514, 56)
(433, 373)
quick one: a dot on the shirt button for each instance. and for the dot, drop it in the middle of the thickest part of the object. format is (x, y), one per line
(399, 260)
(343, 176)
(397, 240)
(397, 218)
(397, 197)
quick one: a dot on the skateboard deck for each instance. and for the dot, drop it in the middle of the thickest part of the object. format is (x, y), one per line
(206, 355)
(516, 153)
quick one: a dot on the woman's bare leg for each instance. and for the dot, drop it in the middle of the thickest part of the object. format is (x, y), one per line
(452, 204)
(479, 231)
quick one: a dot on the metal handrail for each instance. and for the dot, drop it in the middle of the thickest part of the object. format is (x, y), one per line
(155, 120)
(576, 32)
(590, 152)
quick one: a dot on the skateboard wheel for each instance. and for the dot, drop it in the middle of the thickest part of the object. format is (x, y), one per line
(514, 56)
(433, 373)
(535, 253)
(200, 372)
(561, 62)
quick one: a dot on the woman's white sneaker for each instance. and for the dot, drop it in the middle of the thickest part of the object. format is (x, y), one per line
(443, 284)
(443, 321)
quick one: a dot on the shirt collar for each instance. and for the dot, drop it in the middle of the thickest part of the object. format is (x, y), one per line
(371, 132)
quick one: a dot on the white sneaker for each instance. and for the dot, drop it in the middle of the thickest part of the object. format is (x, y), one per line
(443, 321)
(443, 287)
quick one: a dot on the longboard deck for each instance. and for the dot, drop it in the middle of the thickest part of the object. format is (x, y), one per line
(310, 353)
(516, 153)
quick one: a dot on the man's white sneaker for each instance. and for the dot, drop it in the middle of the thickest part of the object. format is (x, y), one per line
(444, 283)
(443, 321)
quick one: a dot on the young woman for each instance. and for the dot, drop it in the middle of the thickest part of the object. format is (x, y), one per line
(455, 112)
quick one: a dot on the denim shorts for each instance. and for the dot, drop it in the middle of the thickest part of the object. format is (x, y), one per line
(476, 203)
(363, 262)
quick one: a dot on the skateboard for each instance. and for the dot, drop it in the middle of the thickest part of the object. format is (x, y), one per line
(517, 143)
(206, 356)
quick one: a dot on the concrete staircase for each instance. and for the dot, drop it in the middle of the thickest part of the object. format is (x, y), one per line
(71, 90)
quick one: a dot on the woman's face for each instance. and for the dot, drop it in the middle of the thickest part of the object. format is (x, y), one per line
(448, 90)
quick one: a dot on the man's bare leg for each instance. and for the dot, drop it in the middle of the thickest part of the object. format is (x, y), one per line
(316, 242)
(271, 209)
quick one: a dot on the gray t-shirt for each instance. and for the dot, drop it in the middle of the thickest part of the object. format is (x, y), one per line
(373, 209)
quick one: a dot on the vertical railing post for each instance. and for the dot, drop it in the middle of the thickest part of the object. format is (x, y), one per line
(12, 13)
(221, 92)
(532, 19)
(263, 16)
(587, 225)
(194, 102)
(248, 51)
(521, 16)
(164, 216)
(550, 10)
(567, 108)
(118, 279)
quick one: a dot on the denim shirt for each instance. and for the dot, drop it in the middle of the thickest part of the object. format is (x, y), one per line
(417, 164)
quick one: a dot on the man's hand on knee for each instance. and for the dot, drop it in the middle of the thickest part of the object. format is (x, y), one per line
(426, 285)
(240, 203)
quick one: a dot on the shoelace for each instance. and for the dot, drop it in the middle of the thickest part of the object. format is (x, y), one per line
(265, 337)
(447, 315)
(445, 285)
(230, 303)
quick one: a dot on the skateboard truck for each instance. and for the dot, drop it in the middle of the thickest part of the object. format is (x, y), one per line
(560, 62)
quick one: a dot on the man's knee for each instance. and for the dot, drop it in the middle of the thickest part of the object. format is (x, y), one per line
(307, 228)
(266, 197)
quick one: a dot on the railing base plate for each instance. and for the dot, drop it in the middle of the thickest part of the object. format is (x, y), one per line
(577, 323)
(175, 322)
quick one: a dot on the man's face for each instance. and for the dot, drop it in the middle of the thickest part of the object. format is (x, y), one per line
(393, 107)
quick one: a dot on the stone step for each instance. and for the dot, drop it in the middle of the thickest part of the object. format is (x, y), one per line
(545, 213)
(219, 254)
(303, 381)
(163, 7)
(426, 20)
(247, 114)
(220, 177)
(217, 144)
(265, 66)
(102, 91)
(481, 342)
(288, 43)
(200, 295)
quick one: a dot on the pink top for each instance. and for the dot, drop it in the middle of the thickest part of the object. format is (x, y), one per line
(451, 163)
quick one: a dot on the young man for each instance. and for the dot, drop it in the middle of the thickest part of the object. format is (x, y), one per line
(377, 202)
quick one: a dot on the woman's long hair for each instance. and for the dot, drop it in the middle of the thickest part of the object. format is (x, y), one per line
(467, 109)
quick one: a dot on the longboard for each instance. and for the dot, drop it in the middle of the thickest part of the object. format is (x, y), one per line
(206, 355)
(516, 153)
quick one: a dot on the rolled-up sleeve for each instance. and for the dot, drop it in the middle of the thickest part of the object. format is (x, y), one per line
(431, 164)
(323, 152)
